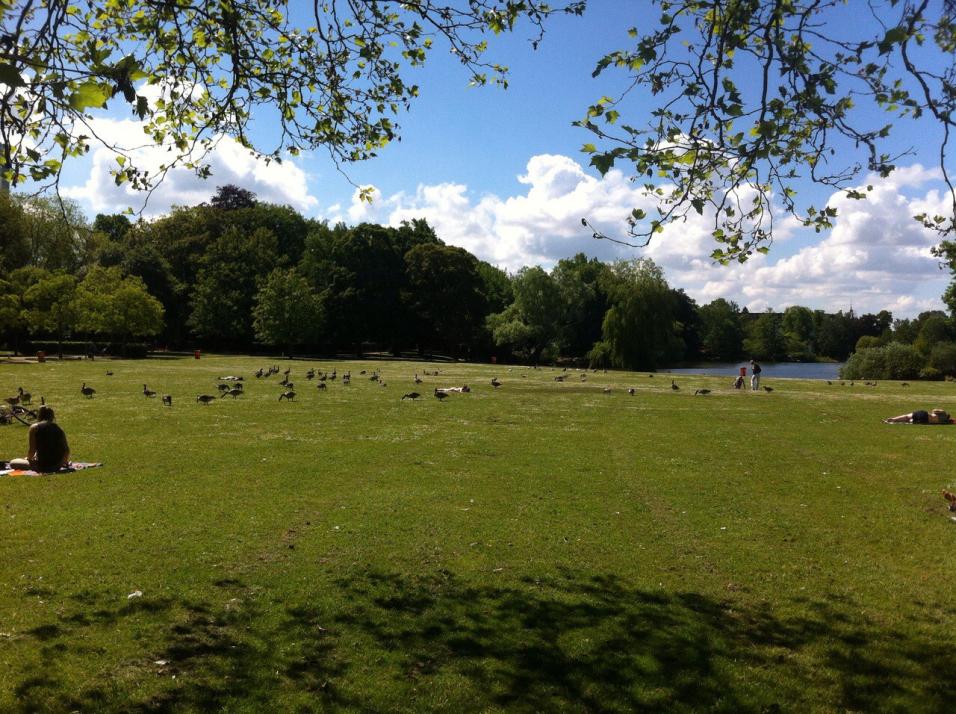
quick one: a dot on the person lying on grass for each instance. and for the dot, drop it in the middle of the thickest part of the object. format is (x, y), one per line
(936, 416)
(48, 449)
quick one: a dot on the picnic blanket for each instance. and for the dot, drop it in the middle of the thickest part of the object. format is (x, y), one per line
(5, 469)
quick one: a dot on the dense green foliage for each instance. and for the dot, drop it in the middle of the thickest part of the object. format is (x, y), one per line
(540, 547)
(240, 274)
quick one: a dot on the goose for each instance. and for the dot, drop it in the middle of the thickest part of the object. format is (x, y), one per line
(310, 375)
(323, 377)
(440, 395)
(768, 389)
(346, 380)
(87, 391)
(495, 383)
(411, 395)
(222, 387)
(630, 390)
(290, 396)
(109, 373)
(12, 401)
(147, 392)
(25, 397)
(418, 380)
(701, 391)
(234, 392)
(362, 372)
(205, 398)
(905, 384)
(829, 382)
(584, 377)
(320, 385)
(259, 373)
(607, 390)
(674, 385)
(559, 378)
(286, 372)
(167, 400)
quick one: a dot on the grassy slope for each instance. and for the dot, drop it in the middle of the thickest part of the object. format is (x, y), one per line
(540, 547)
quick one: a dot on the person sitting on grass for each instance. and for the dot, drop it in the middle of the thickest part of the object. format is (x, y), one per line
(936, 416)
(48, 449)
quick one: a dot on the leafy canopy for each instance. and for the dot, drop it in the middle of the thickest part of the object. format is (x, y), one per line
(328, 74)
(751, 96)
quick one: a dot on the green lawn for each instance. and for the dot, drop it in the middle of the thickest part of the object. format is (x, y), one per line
(542, 547)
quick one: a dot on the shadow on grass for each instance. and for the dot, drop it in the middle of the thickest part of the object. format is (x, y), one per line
(384, 641)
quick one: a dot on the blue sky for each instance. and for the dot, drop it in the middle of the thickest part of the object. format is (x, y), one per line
(500, 172)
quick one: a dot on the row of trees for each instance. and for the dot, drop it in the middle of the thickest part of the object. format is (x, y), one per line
(236, 273)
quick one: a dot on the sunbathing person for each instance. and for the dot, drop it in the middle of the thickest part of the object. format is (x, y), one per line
(936, 416)
(48, 449)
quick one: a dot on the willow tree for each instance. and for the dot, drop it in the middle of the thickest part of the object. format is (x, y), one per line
(329, 74)
(751, 98)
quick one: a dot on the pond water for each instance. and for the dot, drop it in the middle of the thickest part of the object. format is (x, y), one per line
(779, 370)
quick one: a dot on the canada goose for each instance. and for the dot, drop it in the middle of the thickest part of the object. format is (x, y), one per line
(205, 398)
(286, 372)
(222, 387)
(167, 400)
(951, 497)
(362, 372)
(584, 377)
(259, 373)
(674, 385)
(440, 395)
(411, 395)
(284, 382)
(109, 373)
(310, 375)
(287, 395)
(323, 377)
(147, 392)
(87, 391)
(607, 390)
(630, 390)
(12, 401)
(495, 383)
(25, 397)
(320, 385)
(346, 380)
(559, 378)
(418, 380)
(905, 384)
(234, 392)
(289, 386)
(768, 389)
(701, 391)
(829, 382)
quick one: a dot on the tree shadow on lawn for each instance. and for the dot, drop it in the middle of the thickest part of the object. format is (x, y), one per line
(572, 642)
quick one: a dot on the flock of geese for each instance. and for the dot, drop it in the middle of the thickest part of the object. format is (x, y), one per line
(234, 386)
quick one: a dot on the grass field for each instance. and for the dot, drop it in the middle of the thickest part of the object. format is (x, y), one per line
(542, 547)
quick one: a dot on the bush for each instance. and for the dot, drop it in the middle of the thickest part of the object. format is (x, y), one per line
(894, 361)
(943, 357)
(868, 342)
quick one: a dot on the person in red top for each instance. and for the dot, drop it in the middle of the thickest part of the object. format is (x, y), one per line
(48, 449)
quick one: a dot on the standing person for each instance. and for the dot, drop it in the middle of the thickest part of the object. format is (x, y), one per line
(754, 375)
(48, 449)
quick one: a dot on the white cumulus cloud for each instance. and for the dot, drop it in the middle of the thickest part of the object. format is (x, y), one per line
(876, 257)
(284, 183)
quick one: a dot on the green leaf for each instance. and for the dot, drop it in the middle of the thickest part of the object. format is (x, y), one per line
(10, 76)
(89, 94)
